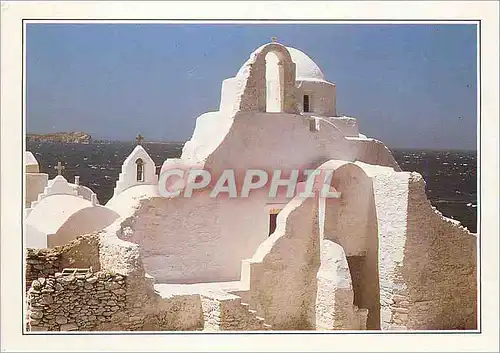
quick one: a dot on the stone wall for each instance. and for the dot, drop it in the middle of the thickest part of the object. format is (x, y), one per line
(41, 263)
(106, 300)
(177, 313)
(391, 198)
(145, 310)
(427, 266)
(439, 270)
(83, 252)
(79, 253)
(119, 296)
(226, 312)
(58, 302)
(81, 302)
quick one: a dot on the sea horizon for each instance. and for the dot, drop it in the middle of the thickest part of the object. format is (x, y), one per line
(145, 141)
(450, 175)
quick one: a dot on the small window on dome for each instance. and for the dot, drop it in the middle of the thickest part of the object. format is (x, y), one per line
(306, 104)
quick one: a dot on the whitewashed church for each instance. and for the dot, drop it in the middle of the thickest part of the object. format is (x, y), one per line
(378, 256)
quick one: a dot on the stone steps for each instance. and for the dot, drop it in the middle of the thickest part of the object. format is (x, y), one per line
(261, 321)
(224, 305)
(226, 312)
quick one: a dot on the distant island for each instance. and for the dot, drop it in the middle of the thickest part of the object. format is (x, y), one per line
(143, 142)
(61, 137)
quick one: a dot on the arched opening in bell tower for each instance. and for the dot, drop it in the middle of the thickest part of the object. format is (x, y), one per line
(274, 83)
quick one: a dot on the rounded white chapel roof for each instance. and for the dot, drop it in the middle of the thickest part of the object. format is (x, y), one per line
(305, 68)
(30, 159)
(52, 211)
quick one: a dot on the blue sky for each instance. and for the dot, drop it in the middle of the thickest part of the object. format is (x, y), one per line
(409, 85)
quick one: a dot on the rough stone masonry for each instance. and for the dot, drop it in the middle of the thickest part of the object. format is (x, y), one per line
(75, 302)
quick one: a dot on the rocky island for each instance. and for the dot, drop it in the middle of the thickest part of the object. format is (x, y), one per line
(61, 137)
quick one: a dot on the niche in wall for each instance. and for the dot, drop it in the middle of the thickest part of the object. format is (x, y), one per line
(356, 264)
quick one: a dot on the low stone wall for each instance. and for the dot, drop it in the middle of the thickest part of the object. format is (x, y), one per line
(82, 252)
(120, 297)
(41, 263)
(81, 302)
(104, 301)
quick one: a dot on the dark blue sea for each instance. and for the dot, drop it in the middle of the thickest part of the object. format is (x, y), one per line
(451, 179)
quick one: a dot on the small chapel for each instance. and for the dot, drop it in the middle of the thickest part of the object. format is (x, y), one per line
(377, 256)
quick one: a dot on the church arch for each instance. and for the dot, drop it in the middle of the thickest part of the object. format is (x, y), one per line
(351, 222)
(254, 95)
(274, 84)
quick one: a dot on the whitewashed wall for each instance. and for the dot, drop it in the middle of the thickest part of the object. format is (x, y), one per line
(321, 97)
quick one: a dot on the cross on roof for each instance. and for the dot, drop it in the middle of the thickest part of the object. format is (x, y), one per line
(59, 168)
(139, 139)
(273, 39)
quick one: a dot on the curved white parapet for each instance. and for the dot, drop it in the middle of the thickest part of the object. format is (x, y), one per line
(30, 163)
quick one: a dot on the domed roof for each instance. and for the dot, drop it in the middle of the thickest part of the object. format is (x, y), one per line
(306, 68)
(52, 211)
(30, 159)
(30, 163)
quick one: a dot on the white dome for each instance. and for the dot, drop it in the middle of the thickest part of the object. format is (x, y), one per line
(306, 68)
(52, 211)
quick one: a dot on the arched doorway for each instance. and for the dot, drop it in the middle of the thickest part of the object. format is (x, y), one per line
(351, 222)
